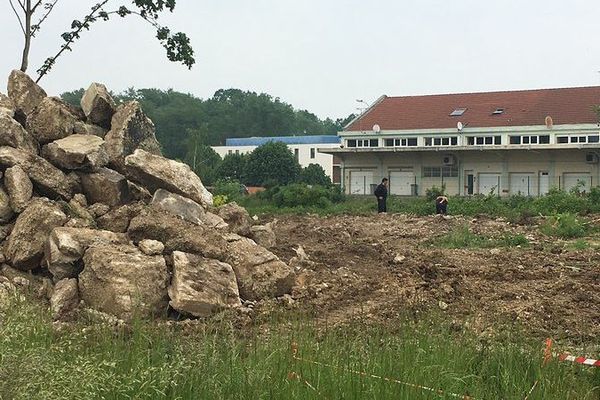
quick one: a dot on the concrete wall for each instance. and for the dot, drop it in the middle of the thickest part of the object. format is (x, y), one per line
(530, 172)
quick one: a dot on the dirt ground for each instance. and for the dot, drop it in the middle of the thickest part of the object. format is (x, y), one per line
(379, 267)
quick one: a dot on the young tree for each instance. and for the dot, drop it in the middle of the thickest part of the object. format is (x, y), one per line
(314, 174)
(233, 167)
(177, 44)
(272, 164)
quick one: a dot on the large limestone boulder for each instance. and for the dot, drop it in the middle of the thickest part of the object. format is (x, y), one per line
(177, 234)
(64, 299)
(151, 247)
(263, 235)
(47, 179)
(66, 246)
(237, 218)
(53, 119)
(260, 274)
(157, 172)
(14, 135)
(19, 187)
(24, 92)
(187, 209)
(105, 186)
(201, 286)
(98, 105)
(122, 281)
(118, 219)
(7, 106)
(84, 152)
(130, 129)
(26, 242)
(6, 211)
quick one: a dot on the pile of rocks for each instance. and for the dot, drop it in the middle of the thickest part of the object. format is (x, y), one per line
(90, 208)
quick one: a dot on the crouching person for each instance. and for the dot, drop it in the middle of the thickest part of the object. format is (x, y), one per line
(441, 205)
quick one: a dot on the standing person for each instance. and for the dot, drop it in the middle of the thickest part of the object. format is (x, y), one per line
(441, 205)
(381, 193)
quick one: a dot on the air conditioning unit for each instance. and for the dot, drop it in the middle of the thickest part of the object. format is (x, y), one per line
(449, 160)
(591, 158)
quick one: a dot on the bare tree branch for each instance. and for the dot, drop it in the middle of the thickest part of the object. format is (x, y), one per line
(49, 8)
(22, 4)
(18, 16)
(35, 6)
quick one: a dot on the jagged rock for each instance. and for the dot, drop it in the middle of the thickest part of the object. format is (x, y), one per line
(118, 219)
(263, 235)
(53, 119)
(79, 213)
(130, 130)
(81, 128)
(80, 199)
(7, 107)
(98, 210)
(38, 285)
(237, 218)
(65, 299)
(19, 187)
(47, 179)
(66, 246)
(85, 152)
(260, 274)
(139, 193)
(151, 247)
(14, 135)
(5, 231)
(24, 92)
(98, 105)
(156, 172)
(105, 186)
(7, 291)
(122, 281)
(25, 247)
(6, 211)
(177, 234)
(187, 209)
(201, 286)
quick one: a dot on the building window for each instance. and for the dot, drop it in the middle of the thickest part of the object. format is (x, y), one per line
(593, 139)
(562, 139)
(544, 139)
(441, 141)
(515, 140)
(363, 142)
(448, 171)
(237, 152)
(312, 152)
(297, 154)
(351, 143)
(374, 143)
(397, 142)
(229, 151)
(483, 140)
(458, 112)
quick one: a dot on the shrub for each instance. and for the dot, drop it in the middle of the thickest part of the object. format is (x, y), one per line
(314, 174)
(220, 200)
(233, 190)
(509, 240)
(564, 226)
(302, 195)
(433, 192)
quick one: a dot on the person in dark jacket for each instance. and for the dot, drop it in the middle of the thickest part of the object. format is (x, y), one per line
(381, 193)
(441, 205)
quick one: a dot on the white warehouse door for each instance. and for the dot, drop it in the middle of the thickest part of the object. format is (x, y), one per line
(522, 184)
(570, 180)
(544, 183)
(487, 183)
(401, 181)
(360, 182)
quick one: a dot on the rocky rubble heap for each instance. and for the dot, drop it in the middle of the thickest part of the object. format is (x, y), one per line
(92, 212)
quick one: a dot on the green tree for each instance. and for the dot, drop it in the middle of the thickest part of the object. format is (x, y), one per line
(205, 162)
(177, 45)
(272, 164)
(233, 167)
(314, 174)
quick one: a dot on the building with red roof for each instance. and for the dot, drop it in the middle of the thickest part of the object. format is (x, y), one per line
(502, 143)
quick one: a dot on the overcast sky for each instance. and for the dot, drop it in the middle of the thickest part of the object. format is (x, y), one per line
(322, 55)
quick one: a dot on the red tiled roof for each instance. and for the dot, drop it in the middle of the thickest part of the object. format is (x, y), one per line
(521, 108)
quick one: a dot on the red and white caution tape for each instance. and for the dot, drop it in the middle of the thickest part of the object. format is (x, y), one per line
(548, 354)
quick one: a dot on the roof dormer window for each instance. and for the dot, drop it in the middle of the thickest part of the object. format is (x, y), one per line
(458, 112)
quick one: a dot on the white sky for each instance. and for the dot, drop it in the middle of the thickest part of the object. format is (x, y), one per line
(321, 55)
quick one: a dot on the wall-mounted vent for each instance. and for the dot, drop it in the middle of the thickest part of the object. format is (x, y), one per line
(448, 160)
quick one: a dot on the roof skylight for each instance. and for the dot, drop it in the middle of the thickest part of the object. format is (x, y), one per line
(498, 111)
(458, 112)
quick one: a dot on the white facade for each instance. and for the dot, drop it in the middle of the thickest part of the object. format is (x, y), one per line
(306, 154)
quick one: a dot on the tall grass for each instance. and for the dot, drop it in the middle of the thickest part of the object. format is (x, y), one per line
(214, 360)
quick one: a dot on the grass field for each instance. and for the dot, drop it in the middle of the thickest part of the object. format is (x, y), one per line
(214, 360)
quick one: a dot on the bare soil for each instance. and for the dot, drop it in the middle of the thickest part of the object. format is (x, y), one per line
(377, 268)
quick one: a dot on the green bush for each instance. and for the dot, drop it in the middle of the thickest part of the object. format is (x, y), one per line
(302, 195)
(232, 189)
(510, 240)
(565, 226)
(432, 193)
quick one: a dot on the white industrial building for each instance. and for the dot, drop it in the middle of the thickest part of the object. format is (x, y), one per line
(505, 143)
(305, 149)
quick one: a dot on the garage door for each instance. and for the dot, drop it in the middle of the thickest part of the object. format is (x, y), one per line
(487, 183)
(570, 180)
(400, 182)
(360, 182)
(522, 183)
